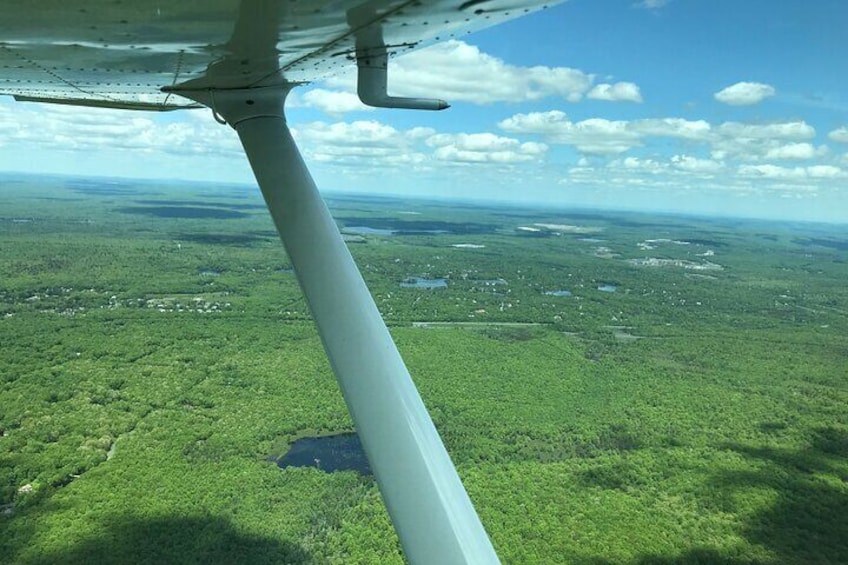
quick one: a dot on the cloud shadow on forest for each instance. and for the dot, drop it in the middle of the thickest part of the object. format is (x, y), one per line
(202, 202)
(808, 522)
(417, 227)
(207, 541)
(248, 239)
(183, 212)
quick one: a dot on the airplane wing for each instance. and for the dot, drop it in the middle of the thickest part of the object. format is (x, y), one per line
(241, 59)
(121, 55)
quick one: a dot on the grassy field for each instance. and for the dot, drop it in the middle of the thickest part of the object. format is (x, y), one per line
(683, 402)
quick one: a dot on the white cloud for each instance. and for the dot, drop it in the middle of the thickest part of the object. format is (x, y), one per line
(369, 143)
(459, 72)
(333, 102)
(70, 128)
(744, 93)
(593, 136)
(772, 172)
(636, 164)
(420, 132)
(673, 127)
(769, 171)
(651, 4)
(484, 148)
(795, 130)
(839, 135)
(361, 143)
(695, 165)
(600, 136)
(792, 151)
(825, 172)
(730, 140)
(620, 91)
(764, 141)
(369, 133)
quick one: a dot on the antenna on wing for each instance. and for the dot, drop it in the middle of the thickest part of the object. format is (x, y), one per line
(372, 80)
(372, 60)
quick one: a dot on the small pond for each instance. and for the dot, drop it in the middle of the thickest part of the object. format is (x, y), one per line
(607, 287)
(419, 282)
(558, 293)
(365, 230)
(340, 452)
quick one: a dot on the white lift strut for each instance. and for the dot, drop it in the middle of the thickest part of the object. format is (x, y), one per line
(428, 505)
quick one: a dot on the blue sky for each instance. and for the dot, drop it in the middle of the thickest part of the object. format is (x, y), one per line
(721, 107)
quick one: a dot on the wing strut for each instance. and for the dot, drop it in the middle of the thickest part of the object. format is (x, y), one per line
(428, 505)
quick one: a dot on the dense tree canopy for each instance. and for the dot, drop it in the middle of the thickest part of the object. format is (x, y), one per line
(156, 360)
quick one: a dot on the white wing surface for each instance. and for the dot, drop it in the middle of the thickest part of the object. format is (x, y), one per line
(121, 54)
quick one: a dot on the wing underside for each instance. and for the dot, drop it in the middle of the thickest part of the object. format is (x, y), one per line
(122, 55)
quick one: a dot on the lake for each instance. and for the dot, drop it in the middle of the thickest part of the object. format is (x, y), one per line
(558, 293)
(419, 282)
(340, 452)
(365, 230)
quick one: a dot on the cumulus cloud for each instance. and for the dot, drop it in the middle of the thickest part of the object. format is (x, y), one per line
(695, 165)
(600, 136)
(792, 151)
(779, 140)
(638, 165)
(825, 172)
(651, 4)
(369, 133)
(364, 143)
(484, 147)
(459, 72)
(333, 102)
(620, 91)
(593, 136)
(677, 164)
(744, 93)
(839, 135)
(360, 143)
(71, 128)
(672, 127)
(729, 140)
(794, 130)
(770, 171)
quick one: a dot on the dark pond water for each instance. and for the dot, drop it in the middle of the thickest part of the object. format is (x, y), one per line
(365, 230)
(558, 293)
(840, 245)
(418, 282)
(194, 203)
(341, 452)
(107, 188)
(228, 239)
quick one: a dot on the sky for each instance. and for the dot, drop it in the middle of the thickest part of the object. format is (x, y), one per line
(711, 108)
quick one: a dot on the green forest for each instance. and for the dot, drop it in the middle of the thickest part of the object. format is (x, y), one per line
(614, 388)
